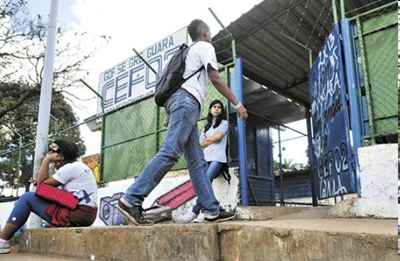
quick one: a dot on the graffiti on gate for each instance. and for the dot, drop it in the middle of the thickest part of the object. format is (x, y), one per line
(331, 142)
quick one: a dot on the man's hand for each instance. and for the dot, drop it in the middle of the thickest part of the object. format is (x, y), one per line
(242, 112)
(225, 91)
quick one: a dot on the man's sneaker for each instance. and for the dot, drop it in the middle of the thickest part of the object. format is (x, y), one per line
(133, 213)
(199, 219)
(4, 246)
(186, 218)
(222, 216)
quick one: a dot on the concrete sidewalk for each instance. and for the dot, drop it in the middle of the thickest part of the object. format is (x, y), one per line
(285, 234)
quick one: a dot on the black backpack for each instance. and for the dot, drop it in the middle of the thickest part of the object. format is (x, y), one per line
(171, 77)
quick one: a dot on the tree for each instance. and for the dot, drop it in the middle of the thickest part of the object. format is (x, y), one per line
(22, 46)
(25, 122)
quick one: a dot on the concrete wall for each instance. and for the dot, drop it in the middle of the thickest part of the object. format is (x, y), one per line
(379, 184)
(227, 194)
(379, 179)
(5, 211)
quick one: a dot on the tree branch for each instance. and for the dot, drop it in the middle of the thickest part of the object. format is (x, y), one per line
(12, 55)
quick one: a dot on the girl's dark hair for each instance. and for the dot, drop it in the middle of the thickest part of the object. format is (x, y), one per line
(220, 117)
(69, 150)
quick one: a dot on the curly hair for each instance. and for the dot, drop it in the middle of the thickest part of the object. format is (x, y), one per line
(69, 150)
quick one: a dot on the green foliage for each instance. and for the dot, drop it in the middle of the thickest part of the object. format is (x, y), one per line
(22, 46)
(24, 123)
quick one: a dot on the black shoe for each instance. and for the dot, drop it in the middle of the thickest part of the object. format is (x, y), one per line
(134, 214)
(223, 216)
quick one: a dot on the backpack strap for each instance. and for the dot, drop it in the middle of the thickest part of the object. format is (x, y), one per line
(199, 70)
(225, 173)
(190, 76)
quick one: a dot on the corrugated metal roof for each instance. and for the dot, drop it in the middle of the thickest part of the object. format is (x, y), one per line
(273, 60)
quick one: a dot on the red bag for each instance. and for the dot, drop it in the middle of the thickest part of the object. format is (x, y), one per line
(59, 196)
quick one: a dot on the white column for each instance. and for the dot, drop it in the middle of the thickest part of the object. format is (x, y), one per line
(42, 129)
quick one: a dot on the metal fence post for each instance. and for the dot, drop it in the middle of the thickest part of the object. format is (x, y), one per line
(311, 158)
(158, 128)
(353, 91)
(103, 131)
(342, 10)
(238, 91)
(280, 167)
(19, 159)
(371, 124)
(334, 12)
(102, 128)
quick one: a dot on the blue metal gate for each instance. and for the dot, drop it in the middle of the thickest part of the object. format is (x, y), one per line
(332, 146)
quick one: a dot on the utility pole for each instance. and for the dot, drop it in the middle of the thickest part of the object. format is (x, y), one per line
(42, 130)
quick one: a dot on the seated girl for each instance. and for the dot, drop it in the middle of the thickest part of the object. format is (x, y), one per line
(72, 176)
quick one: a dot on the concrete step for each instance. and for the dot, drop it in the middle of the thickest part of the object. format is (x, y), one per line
(309, 239)
(30, 257)
(312, 235)
(267, 213)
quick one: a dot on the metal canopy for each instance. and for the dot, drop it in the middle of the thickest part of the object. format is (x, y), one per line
(275, 39)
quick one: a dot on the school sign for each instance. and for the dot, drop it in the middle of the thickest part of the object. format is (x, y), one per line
(131, 79)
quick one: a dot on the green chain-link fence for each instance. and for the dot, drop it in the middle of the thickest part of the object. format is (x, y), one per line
(133, 134)
(376, 46)
(15, 168)
(17, 154)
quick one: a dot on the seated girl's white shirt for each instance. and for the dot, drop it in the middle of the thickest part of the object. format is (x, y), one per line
(200, 54)
(216, 151)
(77, 178)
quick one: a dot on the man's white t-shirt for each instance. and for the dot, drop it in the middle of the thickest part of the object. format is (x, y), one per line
(77, 178)
(216, 151)
(200, 54)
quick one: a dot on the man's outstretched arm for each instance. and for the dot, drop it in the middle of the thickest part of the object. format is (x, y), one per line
(221, 86)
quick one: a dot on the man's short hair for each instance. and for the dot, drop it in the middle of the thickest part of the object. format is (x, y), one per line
(196, 28)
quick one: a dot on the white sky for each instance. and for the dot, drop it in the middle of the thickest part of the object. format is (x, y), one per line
(138, 24)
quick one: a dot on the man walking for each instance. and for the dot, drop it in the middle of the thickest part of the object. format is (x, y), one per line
(184, 108)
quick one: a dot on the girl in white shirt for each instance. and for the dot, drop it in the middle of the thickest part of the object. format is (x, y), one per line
(74, 176)
(213, 141)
